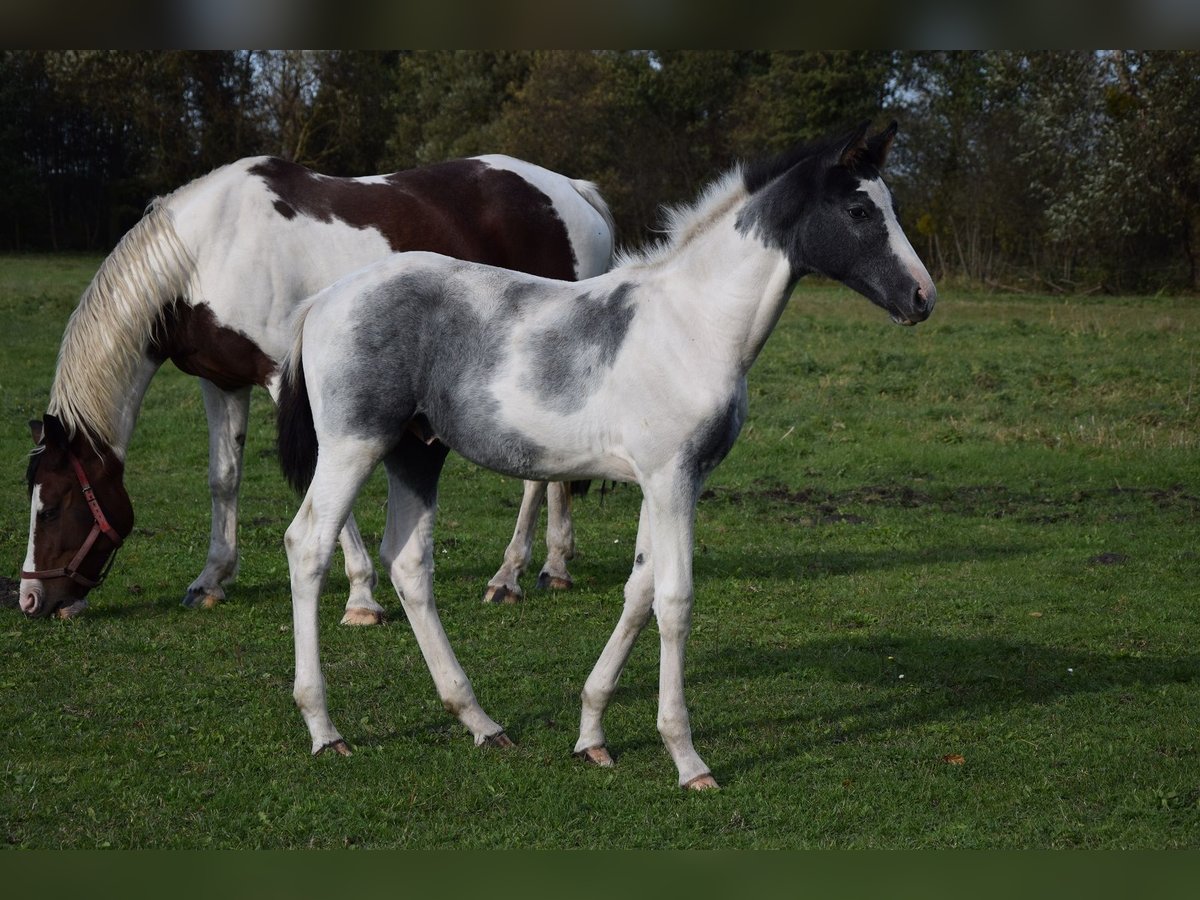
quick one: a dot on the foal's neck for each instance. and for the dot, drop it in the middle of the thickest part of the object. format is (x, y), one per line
(735, 290)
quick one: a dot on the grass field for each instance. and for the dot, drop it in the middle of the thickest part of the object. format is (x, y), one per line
(946, 596)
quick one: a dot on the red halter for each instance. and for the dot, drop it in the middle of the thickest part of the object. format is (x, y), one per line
(100, 526)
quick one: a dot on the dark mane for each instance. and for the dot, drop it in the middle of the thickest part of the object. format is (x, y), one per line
(759, 173)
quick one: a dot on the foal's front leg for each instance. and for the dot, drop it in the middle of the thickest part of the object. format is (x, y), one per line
(672, 523)
(602, 682)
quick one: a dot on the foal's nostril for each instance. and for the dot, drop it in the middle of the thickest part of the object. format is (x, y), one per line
(919, 303)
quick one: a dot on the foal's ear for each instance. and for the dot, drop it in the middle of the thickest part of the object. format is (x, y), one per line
(853, 147)
(878, 146)
(35, 429)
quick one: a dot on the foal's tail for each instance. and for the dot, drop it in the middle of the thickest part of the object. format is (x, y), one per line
(296, 433)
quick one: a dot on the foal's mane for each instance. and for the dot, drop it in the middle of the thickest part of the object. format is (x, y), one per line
(109, 331)
(683, 223)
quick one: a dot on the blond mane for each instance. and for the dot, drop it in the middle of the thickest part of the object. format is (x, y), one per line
(107, 335)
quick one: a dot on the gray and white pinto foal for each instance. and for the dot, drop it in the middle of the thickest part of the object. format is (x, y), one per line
(635, 375)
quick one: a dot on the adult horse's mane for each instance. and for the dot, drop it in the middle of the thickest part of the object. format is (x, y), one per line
(107, 334)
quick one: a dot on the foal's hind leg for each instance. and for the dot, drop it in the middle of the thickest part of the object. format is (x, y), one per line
(407, 553)
(342, 467)
(361, 608)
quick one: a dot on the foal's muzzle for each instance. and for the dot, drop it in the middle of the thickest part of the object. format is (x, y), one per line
(919, 307)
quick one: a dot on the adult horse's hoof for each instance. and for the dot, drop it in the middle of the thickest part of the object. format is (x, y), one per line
(71, 610)
(703, 782)
(499, 739)
(339, 746)
(358, 615)
(597, 756)
(548, 582)
(499, 593)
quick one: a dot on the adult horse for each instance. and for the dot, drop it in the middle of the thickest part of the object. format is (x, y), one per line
(210, 278)
(635, 375)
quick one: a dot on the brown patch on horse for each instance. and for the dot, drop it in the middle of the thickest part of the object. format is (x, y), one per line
(193, 339)
(419, 209)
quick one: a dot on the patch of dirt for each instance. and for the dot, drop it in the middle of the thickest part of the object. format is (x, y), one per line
(1108, 559)
(9, 590)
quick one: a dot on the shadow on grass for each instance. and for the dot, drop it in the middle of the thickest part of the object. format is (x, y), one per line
(606, 571)
(944, 679)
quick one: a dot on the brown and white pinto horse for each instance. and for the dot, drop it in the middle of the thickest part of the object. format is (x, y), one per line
(210, 279)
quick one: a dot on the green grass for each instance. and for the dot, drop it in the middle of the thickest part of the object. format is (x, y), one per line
(975, 539)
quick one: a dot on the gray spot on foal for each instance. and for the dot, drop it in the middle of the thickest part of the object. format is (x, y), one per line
(570, 357)
(714, 438)
(423, 349)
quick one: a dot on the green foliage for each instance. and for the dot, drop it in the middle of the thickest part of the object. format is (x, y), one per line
(945, 597)
(1064, 171)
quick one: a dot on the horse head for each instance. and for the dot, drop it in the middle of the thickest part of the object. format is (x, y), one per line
(79, 515)
(830, 212)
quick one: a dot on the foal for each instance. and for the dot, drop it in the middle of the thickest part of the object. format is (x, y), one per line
(635, 375)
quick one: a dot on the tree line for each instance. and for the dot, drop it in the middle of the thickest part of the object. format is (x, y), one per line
(1047, 171)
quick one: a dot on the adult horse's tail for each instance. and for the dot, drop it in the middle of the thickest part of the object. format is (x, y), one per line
(296, 434)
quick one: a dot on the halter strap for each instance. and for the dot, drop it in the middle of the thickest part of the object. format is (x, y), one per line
(100, 526)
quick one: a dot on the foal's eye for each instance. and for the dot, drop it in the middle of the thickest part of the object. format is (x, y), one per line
(857, 212)
(48, 515)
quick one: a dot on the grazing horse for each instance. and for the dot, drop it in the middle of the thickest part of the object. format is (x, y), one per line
(635, 375)
(211, 278)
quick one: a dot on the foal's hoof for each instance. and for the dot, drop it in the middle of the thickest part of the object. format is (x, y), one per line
(548, 582)
(358, 615)
(499, 593)
(499, 739)
(597, 756)
(339, 746)
(703, 782)
(71, 610)
(198, 598)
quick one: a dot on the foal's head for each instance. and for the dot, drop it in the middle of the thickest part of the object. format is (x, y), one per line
(79, 514)
(829, 211)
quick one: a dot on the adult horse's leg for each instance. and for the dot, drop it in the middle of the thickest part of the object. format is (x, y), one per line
(672, 497)
(600, 684)
(407, 553)
(361, 607)
(227, 412)
(560, 538)
(342, 467)
(504, 586)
